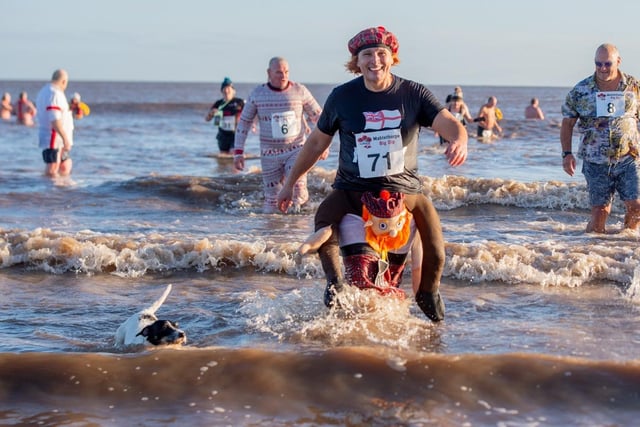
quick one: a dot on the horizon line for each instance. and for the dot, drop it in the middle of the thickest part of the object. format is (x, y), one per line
(255, 83)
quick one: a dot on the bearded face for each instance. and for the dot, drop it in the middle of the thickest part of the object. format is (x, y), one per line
(384, 234)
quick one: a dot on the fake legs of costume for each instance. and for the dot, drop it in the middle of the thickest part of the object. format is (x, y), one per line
(361, 262)
(363, 266)
(339, 203)
(274, 169)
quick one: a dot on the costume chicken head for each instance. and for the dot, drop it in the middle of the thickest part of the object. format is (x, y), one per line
(386, 221)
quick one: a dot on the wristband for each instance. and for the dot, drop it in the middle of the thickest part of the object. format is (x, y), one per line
(237, 153)
(566, 153)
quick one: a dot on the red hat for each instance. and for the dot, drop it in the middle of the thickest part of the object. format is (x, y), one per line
(373, 37)
(387, 205)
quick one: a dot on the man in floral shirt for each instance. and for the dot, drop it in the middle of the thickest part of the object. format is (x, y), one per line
(606, 106)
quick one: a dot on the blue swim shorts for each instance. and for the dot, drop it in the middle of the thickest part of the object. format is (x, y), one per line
(50, 155)
(603, 180)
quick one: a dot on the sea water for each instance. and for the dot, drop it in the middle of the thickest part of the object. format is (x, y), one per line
(542, 320)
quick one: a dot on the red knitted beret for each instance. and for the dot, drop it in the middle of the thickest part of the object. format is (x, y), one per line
(373, 37)
(387, 205)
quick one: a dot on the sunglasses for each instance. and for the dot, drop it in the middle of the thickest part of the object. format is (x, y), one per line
(606, 64)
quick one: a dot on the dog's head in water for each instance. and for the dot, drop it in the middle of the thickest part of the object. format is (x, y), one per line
(145, 328)
(163, 332)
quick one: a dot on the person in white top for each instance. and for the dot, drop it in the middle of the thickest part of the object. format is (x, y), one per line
(55, 123)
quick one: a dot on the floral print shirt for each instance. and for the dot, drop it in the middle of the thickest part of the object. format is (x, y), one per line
(608, 121)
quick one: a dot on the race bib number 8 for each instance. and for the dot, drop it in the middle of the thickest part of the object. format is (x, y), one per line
(610, 104)
(284, 125)
(379, 153)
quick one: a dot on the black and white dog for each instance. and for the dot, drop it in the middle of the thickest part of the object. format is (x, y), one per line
(145, 328)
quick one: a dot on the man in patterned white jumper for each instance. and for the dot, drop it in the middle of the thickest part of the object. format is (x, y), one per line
(281, 107)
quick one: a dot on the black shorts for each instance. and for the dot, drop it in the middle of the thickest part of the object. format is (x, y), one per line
(225, 140)
(50, 155)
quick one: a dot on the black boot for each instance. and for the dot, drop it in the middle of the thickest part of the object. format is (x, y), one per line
(431, 304)
(333, 287)
(329, 254)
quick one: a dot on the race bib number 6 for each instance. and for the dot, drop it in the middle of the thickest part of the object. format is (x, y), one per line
(379, 153)
(284, 125)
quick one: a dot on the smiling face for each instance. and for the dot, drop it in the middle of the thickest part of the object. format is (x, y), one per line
(607, 60)
(375, 66)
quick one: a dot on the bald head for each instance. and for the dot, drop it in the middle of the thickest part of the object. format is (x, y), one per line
(276, 60)
(608, 49)
(60, 78)
(58, 75)
(278, 72)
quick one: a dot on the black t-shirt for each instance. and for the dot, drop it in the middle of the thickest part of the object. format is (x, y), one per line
(368, 124)
(232, 108)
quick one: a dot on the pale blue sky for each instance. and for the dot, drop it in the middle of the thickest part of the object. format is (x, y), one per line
(466, 42)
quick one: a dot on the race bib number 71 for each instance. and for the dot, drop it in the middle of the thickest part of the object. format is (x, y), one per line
(379, 153)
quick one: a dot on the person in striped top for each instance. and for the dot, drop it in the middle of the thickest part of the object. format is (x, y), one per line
(284, 110)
